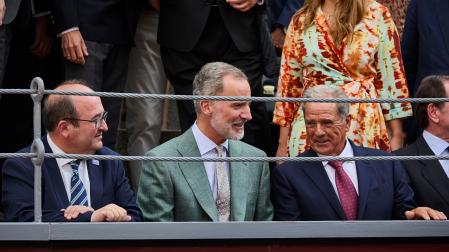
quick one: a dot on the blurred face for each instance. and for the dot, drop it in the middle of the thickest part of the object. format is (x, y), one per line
(227, 118)
(326, 131)
(87, 137)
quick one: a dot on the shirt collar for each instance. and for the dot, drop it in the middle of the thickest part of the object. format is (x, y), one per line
(347, 152)
(204, 143)
(56, 150)
(436, 144)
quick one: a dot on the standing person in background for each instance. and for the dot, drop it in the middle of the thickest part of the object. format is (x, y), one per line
(145, 75)
(195, 32)
(281, 13)
(96, 37)
(425, 46)
(328, 43)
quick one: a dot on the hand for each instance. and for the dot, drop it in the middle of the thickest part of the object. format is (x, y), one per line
(73, 47)
(42, 44)
(397, 142)
(2, 11)
(282, 151)
(425, 213)
(110, 212)
(242, 5)
(72, 212)
(278, 37)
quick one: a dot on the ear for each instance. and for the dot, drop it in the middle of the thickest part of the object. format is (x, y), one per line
(348, 122)
(433, 113)
(63, 128)
(206, 107)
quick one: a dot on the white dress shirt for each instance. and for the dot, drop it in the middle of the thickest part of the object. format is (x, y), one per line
(438, 147)
(66, 170)
(207, 150)
(348, 166)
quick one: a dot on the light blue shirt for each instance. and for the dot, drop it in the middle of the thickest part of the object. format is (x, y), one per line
(207, 150)
(439, 147)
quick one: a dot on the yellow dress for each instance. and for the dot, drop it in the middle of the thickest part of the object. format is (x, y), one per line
(370, 67)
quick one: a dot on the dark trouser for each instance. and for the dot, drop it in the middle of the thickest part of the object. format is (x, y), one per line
(105, 70)
(216, 44)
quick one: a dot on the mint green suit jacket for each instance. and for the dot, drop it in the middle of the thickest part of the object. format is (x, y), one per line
(180, 191)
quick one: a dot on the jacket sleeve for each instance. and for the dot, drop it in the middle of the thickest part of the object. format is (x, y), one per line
(124, 195)
(156, 195)
(264, 208)
(18, 194)
(65, 13)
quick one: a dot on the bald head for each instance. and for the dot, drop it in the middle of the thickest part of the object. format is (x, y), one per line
(58, 107)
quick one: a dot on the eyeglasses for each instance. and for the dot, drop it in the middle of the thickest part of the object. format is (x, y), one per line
(325, 124)
(97, 120)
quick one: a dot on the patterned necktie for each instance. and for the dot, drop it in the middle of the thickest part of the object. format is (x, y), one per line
(78, 194)
(223, 200)
(346, 190)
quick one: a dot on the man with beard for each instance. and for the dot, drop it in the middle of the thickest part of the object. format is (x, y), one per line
(209, 191)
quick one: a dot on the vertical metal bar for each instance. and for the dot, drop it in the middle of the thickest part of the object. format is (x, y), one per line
(37, 146)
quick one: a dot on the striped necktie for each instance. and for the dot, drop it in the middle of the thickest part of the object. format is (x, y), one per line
(78, 194)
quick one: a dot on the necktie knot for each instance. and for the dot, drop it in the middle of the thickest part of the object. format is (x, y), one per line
(75, 164)
(219, 149)
(336, 164)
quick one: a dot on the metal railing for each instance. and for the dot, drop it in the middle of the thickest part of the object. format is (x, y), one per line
(37, 154)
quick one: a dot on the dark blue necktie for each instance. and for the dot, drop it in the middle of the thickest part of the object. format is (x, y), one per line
(78, 194)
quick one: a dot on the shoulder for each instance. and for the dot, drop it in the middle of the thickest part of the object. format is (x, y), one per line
(168, 148)
(239, 148)
(378, 10)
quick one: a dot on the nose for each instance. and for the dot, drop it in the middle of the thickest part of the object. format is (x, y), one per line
(246, 114)
(319, 130)
(103, 126)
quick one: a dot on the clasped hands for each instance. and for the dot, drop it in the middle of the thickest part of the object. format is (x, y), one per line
(109, 213)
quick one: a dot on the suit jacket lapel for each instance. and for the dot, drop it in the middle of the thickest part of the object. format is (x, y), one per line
(364, 177)
(195, 174)
(96, 182)
(238, 183)
(432, 170)
(53, 176)
(440, 8)
(318, 175)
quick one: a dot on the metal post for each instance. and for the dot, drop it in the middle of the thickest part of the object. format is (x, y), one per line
(37, 146)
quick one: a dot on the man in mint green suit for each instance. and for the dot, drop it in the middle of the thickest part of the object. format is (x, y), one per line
(209, 191)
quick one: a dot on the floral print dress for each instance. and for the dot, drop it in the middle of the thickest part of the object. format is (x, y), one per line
(368, 67)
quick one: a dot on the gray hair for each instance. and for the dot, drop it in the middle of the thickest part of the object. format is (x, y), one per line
(209, 80)
(327, 91)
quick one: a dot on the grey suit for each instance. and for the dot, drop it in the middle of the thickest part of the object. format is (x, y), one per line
(180, 191)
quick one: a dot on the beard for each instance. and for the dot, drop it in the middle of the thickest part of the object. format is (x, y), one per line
(226, 130)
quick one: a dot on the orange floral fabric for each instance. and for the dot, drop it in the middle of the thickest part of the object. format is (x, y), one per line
(369, 67)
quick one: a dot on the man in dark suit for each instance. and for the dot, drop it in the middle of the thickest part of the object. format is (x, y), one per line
(425, 47)
(429, 179)
(195, 32)
(72, 190)
(15, 18)
(96, 37)
(281, 12)
(336, 190)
